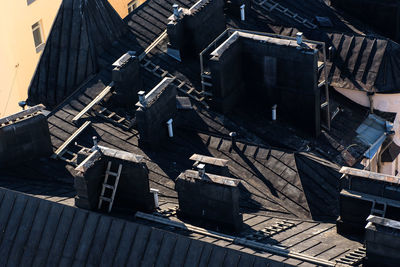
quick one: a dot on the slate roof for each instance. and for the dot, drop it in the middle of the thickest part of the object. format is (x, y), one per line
(391, 153)
(362, 60)
(43, 233)
(293, 182)
(312, 238)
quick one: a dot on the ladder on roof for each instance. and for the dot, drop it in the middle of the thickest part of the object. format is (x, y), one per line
(378, 209)
(181, 85)
(324, 84)
(271, 5)
(107, 186)
(115, 119)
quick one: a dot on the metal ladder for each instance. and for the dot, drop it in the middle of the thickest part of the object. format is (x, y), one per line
(324, 84)
(114, 118)
(108, 186)
(271, 5)
(377, 211)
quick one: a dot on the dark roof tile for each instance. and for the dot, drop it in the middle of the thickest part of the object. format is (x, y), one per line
(56, 238)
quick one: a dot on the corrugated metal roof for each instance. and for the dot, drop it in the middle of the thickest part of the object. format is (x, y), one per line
(372, 132)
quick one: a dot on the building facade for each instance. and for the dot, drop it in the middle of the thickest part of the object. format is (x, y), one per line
(25, 26)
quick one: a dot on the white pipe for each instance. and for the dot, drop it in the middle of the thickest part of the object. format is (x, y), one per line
(201, 168)
(142, 100)
(176, 10)
(155, 195)
(242, 12)
(95, 146)
(274, 112)
(299, 38)
(170, 130)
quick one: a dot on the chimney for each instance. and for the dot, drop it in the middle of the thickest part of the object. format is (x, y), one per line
(299, 38)
(126, 78)
(201, 168)
(242, 12)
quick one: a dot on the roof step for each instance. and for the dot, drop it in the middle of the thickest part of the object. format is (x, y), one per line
(119, 121)
(108, 186)
(376, 210)
(270, 5)
(353, 258)
(207, 84)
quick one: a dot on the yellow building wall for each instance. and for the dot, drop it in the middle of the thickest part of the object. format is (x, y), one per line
(121, 6)
(18, 57)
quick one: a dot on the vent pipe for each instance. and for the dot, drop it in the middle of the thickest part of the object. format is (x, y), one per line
(142, 100)
(274, 112)
(233, 137)
(299, 38)
(22, 104)
(170, 130)
(176, 11)
(330, 52)
(95, 143)
(201, 168)
(155, 195)
(242, 12)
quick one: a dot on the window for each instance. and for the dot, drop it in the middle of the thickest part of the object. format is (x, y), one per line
(38, 36)
(132, 5)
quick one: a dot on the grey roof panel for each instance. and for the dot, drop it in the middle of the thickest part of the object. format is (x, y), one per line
(127, 238)
(56, 234)
(166, 250)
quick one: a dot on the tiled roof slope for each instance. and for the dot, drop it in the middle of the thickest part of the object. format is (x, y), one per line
(362, 59)
(82, 33)
(35, 232)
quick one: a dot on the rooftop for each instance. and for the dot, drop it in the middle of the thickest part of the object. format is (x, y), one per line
(289, 180)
